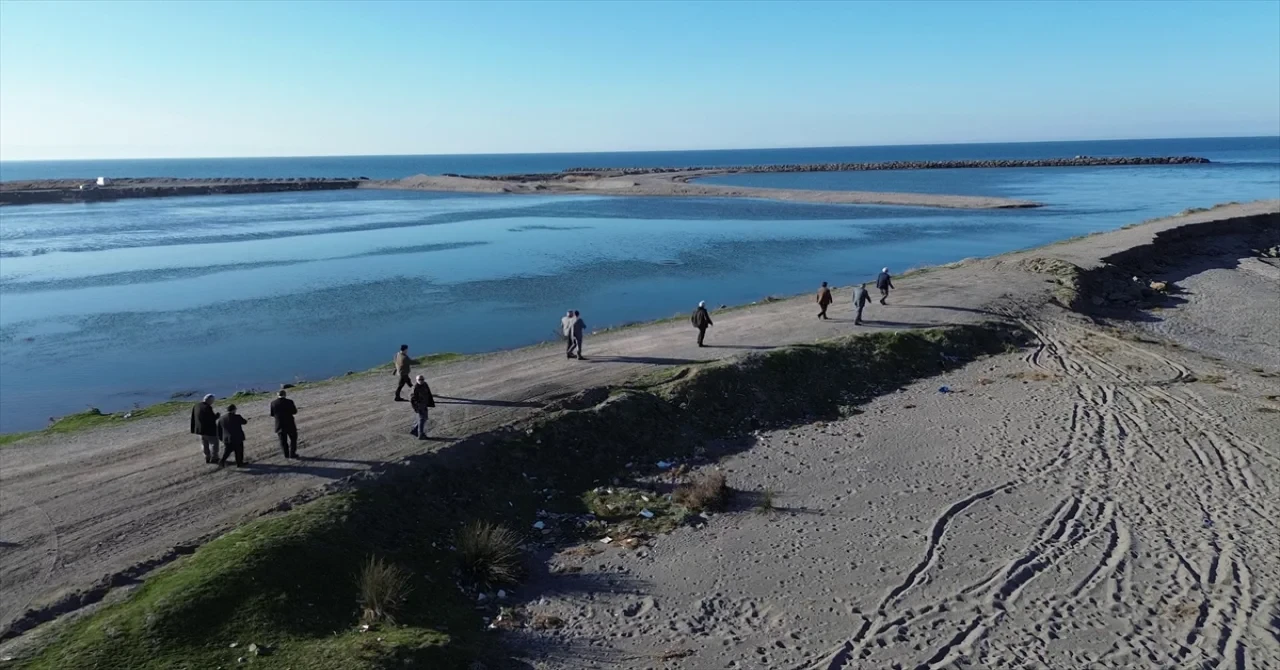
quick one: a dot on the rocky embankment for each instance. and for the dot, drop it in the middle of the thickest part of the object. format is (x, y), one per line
(1078, 161)
(88, 190)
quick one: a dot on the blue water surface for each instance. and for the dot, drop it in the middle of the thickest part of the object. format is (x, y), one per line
(115, 303)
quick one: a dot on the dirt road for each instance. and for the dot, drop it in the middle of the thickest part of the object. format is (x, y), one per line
(78, 507)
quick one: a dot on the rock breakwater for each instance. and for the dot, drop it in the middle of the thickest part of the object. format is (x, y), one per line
(88, 190)
(1078, 161)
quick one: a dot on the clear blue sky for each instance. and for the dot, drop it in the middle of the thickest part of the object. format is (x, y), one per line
(150, 79)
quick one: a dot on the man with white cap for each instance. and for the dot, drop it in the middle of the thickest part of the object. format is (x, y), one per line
(204, 422)
(702, 321)
(884, 282)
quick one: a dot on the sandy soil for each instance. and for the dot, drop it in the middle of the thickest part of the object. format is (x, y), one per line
(677, 184)
(1095, 502)
(76, 508)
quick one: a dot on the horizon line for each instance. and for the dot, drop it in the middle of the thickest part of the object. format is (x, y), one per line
(632, 151)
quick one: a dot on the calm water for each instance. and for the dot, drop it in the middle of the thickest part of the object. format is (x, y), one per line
(112, 304)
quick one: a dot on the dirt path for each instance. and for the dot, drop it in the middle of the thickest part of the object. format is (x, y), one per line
(79, 507)
(1089, 504)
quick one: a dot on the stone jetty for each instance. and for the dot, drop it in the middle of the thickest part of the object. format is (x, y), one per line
(90, 190)
(1078, 161)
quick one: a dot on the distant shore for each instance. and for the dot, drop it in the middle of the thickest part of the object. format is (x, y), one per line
(652, 182)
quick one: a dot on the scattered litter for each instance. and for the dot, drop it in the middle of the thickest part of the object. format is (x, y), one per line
(364, 628)
(235, 644)
(502, 594)
(663, 465)
(539, 525)
(128, 415)
(646, 514)
(944, 389)
(606, 540)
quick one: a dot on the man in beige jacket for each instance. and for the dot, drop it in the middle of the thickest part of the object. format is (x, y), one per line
(401, 366)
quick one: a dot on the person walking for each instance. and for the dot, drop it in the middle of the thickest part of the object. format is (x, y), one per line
(421, 401)
(231, 432)
(702, 321)
(824, 300)
(884, 282)
(283, 410)
(860, 300)
(204, 422)
(401, 366)
(566, 331)
(577, 330)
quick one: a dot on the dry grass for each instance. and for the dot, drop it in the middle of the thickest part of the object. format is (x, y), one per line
(546, 622)
(707, 491)
(489, 553)
(383, 589)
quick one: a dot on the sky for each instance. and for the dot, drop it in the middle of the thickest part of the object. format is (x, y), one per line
(107, 79)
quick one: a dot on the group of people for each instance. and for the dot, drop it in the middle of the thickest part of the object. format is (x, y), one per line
(227, 428)
(884, 282)
(420, 398)
(573, 329)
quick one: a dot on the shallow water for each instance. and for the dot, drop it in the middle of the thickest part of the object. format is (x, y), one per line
(111, 304)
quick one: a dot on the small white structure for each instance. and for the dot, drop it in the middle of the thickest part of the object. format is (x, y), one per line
(103, 181)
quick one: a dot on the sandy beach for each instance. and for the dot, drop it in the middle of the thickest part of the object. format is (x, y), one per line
(1104, 498)
(678, 184)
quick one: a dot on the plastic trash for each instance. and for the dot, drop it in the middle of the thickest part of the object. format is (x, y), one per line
(606, 540)
(646, 514)
(944, 389)
(663, 465)
(539, 525)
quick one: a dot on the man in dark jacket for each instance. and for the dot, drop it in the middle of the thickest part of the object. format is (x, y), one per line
(884, 282)
(824, 300)
(401, 365)
(204, 422)
(231, 432)
(577, 331)
(702, 321)
(421, 401)
(860, 300)
(283, 409)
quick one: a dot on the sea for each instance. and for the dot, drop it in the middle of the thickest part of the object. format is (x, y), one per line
(121, 304)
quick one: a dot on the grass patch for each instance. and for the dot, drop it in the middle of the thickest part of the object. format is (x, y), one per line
(290, 582)
(96, 418)
(489, 554)
(383, 590)
(437, 359)
(766, 503)
(707, 491)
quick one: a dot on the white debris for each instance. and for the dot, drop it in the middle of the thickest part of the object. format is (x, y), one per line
(539, 525)
(646, 514)
(606, 540)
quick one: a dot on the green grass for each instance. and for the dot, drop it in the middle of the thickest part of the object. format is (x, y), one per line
(94, 418)
(290, 582)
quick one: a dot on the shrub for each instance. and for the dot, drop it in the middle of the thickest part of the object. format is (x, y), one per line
(383, 589)
(489, 553)
(765, 505)
(706, 491)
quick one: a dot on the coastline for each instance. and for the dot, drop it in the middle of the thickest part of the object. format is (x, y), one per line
(347, 420)
(542, 412)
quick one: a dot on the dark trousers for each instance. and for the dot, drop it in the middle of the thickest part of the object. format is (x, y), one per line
(702, 332)
(884, 294)
(823, 313)
(404, 381)
(288, 442)
(575, 347)
(857, 318)
(233, 447)
(568, 347)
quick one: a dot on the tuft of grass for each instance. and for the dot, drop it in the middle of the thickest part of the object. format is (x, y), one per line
(707, 491)
(765, 505)
(435, 359)
(383, 588)
(94, 418)
(488, 553)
